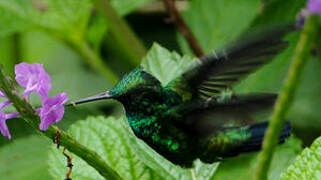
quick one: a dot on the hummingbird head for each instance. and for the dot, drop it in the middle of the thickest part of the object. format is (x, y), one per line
(130, 86)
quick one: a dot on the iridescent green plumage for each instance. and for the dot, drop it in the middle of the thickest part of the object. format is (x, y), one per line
(192, 116)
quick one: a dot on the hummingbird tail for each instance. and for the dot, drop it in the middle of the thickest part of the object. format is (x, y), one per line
(258, 131)
(239, 145)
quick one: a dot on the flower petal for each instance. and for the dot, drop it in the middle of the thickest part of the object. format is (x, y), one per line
(314, 6)
(34, 78)
(52, 110)
(2, 94)
(4, 104)
(3, 126)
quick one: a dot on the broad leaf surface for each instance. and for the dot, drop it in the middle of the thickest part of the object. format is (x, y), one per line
(109, 139)
(216, 22)
(65, 17)
(68, 17)
(307, 165)
(25, 159)
(166, 65)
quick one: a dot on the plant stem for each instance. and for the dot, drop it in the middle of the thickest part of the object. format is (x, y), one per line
(28, 114)
(183, 28)
(94, 60)
(121, 32)
(286, 97)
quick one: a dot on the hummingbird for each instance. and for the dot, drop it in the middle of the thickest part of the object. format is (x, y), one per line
(196, 116)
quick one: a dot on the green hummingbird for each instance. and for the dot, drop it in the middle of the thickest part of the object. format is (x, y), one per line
(194, 116)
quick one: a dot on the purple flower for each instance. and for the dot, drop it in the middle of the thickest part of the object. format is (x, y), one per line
(314, 6)
(2, 94)
(34, 78)
(52, 110)
(3, 126)
(4, 104)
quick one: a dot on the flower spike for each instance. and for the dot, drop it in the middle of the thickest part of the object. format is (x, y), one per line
(34, 78)
(52, 110)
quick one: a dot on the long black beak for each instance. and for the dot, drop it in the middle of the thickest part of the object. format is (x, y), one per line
(101, 96)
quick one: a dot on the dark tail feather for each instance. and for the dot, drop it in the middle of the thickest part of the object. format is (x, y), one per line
(254, 143)
(258, 131)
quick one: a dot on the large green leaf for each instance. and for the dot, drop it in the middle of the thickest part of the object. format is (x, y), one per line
(307, 165)
(65, 17)
(68, 17)
(109, 139)
(25, 159)
(216, 22)
(243, 166)
(166, 65)
(275, 11)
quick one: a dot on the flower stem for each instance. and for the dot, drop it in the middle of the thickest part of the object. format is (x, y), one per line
(182, 27)
(286, 97)
(28, 114)
(121, 32)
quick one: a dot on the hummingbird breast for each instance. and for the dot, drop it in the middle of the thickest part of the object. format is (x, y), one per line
(147, 115)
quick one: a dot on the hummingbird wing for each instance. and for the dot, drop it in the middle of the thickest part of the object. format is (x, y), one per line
(202, 117)
(219, 71)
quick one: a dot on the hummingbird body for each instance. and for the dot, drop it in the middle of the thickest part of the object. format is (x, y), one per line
(148, 114)
(192, 117)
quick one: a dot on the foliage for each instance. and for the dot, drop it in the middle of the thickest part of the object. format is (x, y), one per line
(165, 65)
(215, 22)
(107, 138)
(306, 165)
(66, 17)
(55, 32)
(21, 160)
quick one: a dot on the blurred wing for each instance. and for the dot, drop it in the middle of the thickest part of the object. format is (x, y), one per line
(204, 117)
(219, 71)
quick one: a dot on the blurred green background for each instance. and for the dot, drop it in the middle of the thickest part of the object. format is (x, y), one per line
(50, 31)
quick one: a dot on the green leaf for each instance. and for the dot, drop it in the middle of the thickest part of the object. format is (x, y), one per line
(216, 22)
(107, 137)
(307, 165)
(124, 7)
(165, 168)
(67, 17)
(243, 166)
(25, 159)
(166, 65)
(276, 11)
